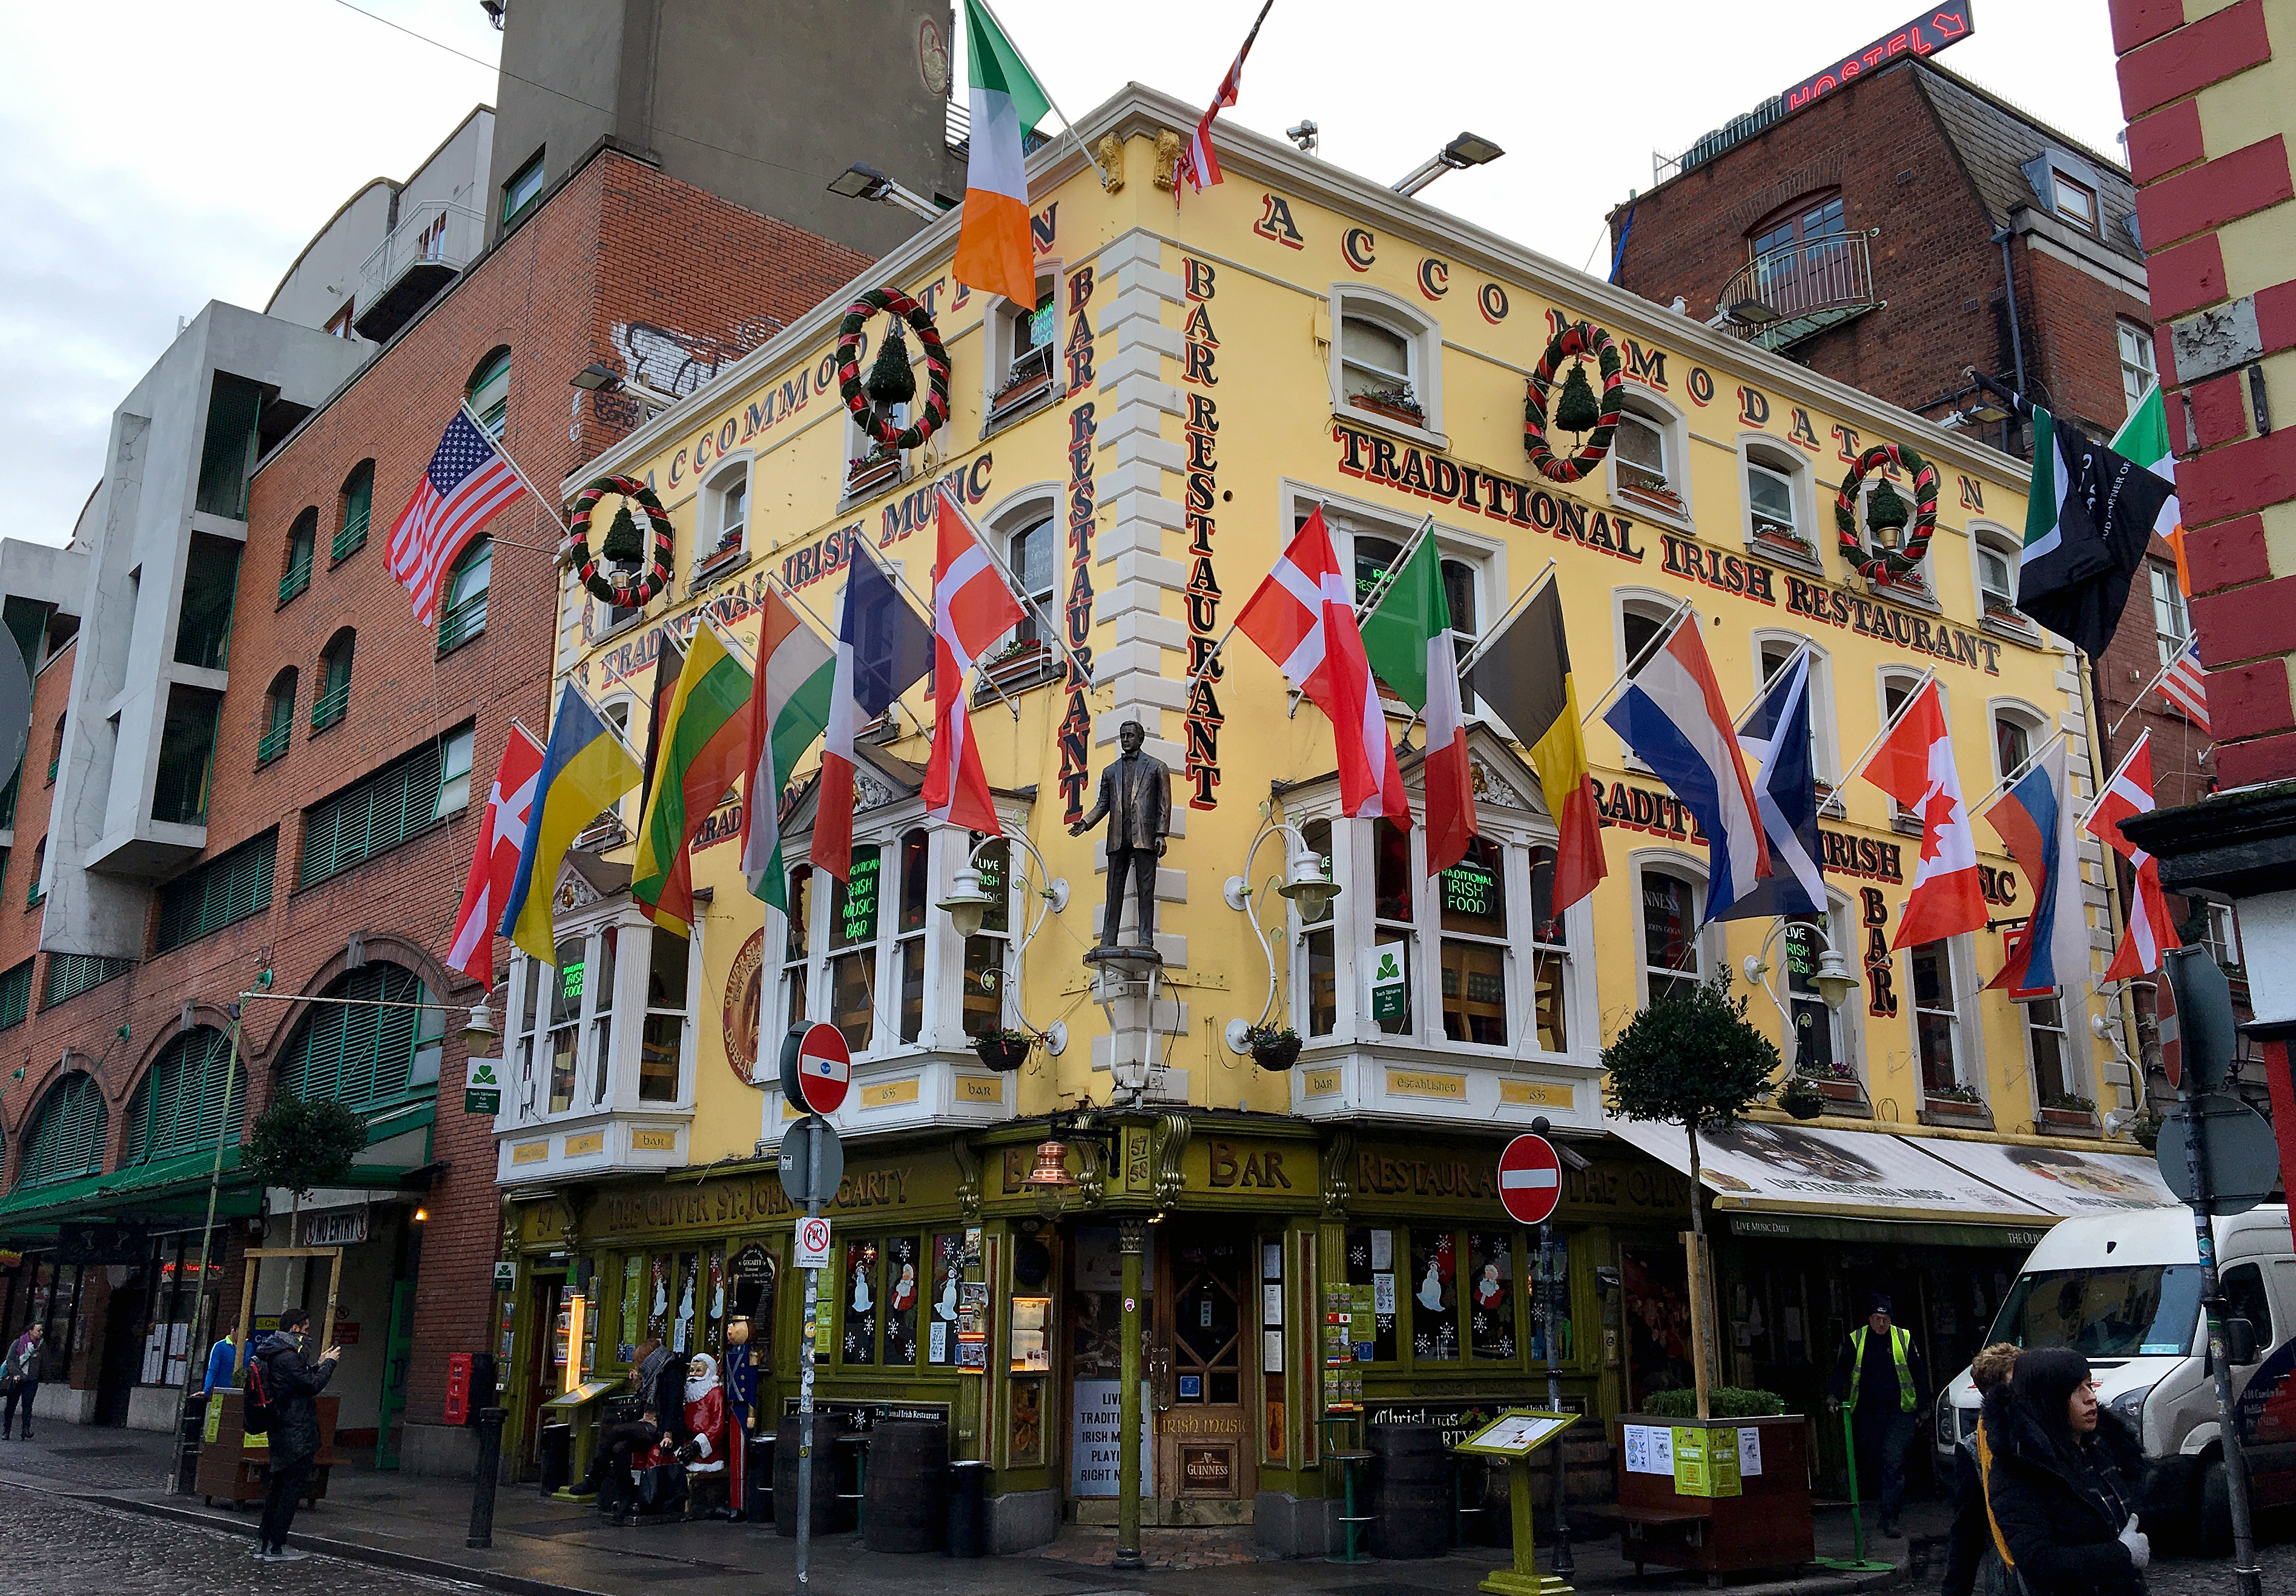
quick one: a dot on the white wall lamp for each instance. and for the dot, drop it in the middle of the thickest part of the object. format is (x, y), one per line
(969, 902)
(1304, 882)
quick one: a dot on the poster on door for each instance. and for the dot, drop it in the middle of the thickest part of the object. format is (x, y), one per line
(1095, 1438)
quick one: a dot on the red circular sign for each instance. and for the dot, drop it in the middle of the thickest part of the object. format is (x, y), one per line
(2165, 1026)
(824, 1068)
(1531, 1179)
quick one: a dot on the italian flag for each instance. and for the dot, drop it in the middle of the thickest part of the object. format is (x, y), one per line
(796, 670)
(2143, 438)
(704, 748)
(1409, 641)
(993, 248)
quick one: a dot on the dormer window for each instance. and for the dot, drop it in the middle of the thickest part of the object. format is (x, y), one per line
(2075, 202)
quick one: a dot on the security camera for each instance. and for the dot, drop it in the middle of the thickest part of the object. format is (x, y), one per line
(1304, 135)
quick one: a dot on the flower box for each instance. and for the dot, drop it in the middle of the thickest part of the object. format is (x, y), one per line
(1953, 1107)
(721, 559)
(1664, 500)
(1026, 660)
(1840, 1090)
(2078, 1121)
(866, 477)
(1410, 417)
(1024, 387)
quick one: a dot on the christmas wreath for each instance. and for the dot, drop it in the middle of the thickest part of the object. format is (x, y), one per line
(890, 381)
(624, 545)
(1578, 410)
(1886, 515)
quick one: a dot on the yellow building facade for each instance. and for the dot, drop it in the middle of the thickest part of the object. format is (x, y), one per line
(1200, 373)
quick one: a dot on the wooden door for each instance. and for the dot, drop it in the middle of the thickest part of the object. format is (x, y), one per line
(1206, 1440)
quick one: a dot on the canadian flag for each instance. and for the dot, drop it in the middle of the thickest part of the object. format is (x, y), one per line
(972, 607)
(1915, 765)
(2149, 933)
(494, 862)
(1303, 617)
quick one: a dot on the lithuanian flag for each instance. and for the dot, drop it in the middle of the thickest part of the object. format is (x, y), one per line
(586, 767)
(1524, 676)
(994, 252)
(705, 749)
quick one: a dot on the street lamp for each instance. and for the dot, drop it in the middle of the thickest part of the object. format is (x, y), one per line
(597, 377)
(1304, 883)
(479, 1030)
(859, 182)
(968, 903)
(1467, 150)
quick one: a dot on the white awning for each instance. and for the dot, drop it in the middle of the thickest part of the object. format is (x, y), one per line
(1852, 1175)
(2059, 1181)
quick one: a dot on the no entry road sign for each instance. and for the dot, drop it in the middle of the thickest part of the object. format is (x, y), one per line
(824, 1068)
(1531, 1179)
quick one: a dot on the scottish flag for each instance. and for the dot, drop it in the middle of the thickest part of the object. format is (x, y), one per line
(1777, 734)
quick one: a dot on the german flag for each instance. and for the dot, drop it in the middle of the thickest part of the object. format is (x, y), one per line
(1524, 676)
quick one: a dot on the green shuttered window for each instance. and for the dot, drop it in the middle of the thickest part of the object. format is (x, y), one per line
(189, 1096)
(371, 817)
(365, 1057)
(15, 995)
(71, 974)
(228, 887)
(66, 1140)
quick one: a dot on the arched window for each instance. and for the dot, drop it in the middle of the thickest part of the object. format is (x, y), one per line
(1385, 360)
(726, 531)
(302, 542)
(1671, 900)
(1993, 555)
(278, 716)
(2018, 731)
(357, 506)
(1780, 515)
(334, 680)
(365, 1057)
(489, 391)
(56, 751)
(33, 892)
(189, 1096)
(1648, 457)
(1031, 555)
(67, 1137)
(465, 615)
(1797, 240)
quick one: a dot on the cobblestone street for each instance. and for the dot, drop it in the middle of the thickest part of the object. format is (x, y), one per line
(55, 1543)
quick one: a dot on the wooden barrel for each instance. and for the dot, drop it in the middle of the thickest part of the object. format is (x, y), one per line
(1410, 1491)
(906, 1498)
(825, 1515)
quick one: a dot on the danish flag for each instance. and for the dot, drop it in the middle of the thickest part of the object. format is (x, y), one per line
(2150, 932)
(1303, 617)
(972, 607)
(494, 862)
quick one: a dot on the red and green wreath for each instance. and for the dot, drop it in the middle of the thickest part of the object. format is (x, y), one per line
(623, 547)
(1886, 513)
(1577, 410)
(890, 381)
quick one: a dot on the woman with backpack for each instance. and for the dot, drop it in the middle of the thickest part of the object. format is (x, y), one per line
(282, 1403)
(2064, 1481)
(19, 1379)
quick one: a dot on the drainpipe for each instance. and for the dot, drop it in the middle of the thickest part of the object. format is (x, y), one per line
(2016, 335)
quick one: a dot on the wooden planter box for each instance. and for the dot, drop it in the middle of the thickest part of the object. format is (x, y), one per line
(1767, 1526)
(1953, 1107)
(866, 479)
(1839, 1090)
(236, 1472)
(2075, 1122)
(1394, 412)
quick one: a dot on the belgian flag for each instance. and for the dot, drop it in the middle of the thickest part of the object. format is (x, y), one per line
(1524, 676)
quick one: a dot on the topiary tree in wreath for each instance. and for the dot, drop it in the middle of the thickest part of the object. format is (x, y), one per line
(1693, 1060)
(301, 1146)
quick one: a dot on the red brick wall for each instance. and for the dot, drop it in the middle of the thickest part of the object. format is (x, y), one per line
(620, 243)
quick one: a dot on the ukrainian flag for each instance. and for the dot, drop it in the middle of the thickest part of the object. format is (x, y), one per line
(586, 767)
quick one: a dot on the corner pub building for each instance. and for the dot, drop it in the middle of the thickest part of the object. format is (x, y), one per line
(1139, 444)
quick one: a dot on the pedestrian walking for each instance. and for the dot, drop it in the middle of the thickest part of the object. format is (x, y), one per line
(1972, 1537)
(19, 1379)
(291, 1389)
(2064, 1480)
(1878, 1379)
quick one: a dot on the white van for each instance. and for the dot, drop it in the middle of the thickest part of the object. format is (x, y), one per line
(2125, 1290)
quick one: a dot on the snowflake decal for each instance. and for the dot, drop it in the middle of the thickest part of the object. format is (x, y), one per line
(1482, 1323)
(852, 1346)
(1424, 1346)
(1359, 1255)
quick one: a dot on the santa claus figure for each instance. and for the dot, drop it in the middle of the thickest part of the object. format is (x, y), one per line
(904, 1289)
(1490, 1288)
(704, 1454)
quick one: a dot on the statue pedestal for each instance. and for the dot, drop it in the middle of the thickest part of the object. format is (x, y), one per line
(1127, 983)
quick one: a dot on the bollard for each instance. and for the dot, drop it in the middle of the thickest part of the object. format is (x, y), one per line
(483, 1493)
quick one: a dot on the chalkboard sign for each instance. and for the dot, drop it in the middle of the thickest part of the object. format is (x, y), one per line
(853, 919)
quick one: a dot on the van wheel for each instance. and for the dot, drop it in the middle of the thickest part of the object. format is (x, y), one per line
(2214, 1531)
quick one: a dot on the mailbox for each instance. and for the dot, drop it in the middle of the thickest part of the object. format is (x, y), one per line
(458, 1389)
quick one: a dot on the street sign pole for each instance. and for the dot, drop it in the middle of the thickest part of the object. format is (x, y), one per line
(807, 1343)
(1563, 1565)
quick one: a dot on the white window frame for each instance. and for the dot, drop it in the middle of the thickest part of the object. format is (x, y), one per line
(2026, 718)
(1707, 939)
(2140, 372)
(454, 769)
(1013, 515)
(732, 475)
(1673, 429)
(634, 730)
(2169, 604)
(1002, 354)
(1849, 1032)
(2220, 932)
(1641, 598)
(1484, 558)
(1758, 451)
(1826, 733)
(2075, 1074)
(1423, 339)
(1991, 537)
(528, 1103)
(1968, 1029)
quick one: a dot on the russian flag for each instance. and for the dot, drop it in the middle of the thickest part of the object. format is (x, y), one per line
(2036, 818)
(1672, 716)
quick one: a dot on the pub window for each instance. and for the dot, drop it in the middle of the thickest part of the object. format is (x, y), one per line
(728, 498)
(2172, 619)
(1995, 556)
(2050, 1052)
(797, 926)
(1474, 920)
(898, 1299)
(909, 929)
(2139, 370)
(853, 950)
(578, 1040)
(1372, 555)
(1435, 1294)
(1394, 928)
(1319, 955)
(1647, 457)
(1938, 1040)
(1021, 370)
(1822, 1038)
(1371, 1287)
(661, 1050)
(987, 954)
(1780, 519)
(2018, 731)
(1671, 900)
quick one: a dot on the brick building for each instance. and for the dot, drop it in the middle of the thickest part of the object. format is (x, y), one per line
(1899, 230)
(303, 823)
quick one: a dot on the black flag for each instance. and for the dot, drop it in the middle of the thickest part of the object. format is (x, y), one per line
(2088, 522)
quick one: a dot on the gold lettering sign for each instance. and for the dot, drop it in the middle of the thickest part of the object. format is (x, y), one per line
(531, 1152)
(1425, 1083)
(979, 1089)
(890, 1093)
(1234, 1165)
(583, 1146)
(1320, 1083)
(1540, 1094)
(653, 1140)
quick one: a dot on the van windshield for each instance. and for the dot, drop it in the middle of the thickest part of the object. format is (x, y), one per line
(2147, 1311)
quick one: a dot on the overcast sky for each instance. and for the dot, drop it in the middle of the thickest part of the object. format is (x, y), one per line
(185, 152)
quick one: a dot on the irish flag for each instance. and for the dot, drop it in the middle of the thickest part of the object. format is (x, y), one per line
(993, 248)
(705, 748)
(1408, 640)
(2144, 438)
(790, 708)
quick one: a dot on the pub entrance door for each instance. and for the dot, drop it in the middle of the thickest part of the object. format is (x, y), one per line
(1203, 1371)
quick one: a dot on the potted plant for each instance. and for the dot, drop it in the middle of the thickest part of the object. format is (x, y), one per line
(1801, 1097)
(1398, 403)
(1737, 1494)
(864, 472)
(1955, 1101)
(1003, 1050)
(1275, 1048)
(2067, 1111)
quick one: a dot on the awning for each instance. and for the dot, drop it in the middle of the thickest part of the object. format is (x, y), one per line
(2057, 1178)
(168, 1185)
(1759, 1166)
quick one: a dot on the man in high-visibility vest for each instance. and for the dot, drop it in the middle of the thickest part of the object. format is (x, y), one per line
(1879, 1375)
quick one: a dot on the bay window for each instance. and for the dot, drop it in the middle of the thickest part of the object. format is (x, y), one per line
(564, 1049)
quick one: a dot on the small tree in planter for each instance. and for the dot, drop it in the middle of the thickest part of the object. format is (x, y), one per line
(1693, 1060)
(302, 1146)
(1274, 1047)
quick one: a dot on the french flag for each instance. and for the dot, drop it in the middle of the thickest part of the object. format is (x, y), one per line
(882, 649)
(1672, 716)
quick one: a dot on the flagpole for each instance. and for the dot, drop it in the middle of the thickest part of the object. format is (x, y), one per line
(831, 633)
(1067, 124)
(1858, 765)
(2016, 774)
(2114, 781)
(1746, 708)
(933, 615)
(1012, 586)
(503, 449)
(1491, 632)
(2145, 692)
(1642, 658)
(603, 721)
(1371, 600)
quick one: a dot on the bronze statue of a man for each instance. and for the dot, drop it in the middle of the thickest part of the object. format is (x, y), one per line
(1135, 796)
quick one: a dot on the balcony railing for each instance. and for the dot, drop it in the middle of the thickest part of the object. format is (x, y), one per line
(272, 742)
(328, 707)
(432, 243)
(464, 622)
(1782, 296)
(352, 538)
(298, 577)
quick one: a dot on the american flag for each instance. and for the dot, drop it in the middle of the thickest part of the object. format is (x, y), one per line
(2185, 684)
(1198, 164)
(470, 478)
